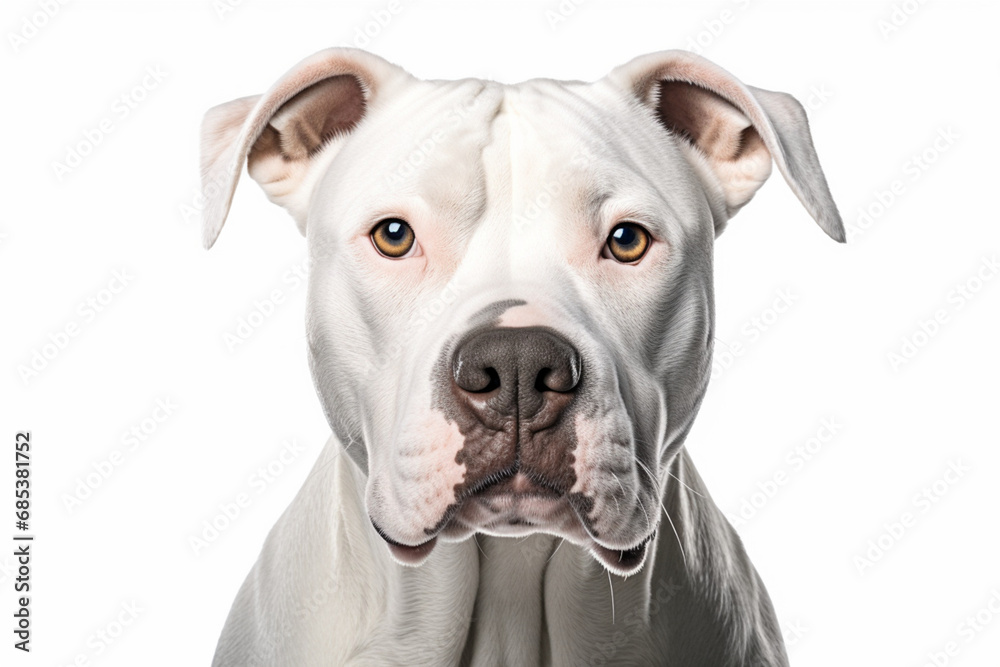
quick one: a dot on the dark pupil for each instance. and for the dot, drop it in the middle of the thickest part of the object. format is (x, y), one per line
(625, 236)
(395, 231)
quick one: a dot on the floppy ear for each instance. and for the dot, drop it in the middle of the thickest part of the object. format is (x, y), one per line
(278, 135)
(731, 132)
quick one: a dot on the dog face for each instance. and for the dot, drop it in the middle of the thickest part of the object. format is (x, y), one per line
(510, 312)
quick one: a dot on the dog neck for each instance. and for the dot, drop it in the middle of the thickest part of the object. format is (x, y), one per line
(538, 600)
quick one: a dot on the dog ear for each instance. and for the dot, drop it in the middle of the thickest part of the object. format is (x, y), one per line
(279, 134)
(731, 132)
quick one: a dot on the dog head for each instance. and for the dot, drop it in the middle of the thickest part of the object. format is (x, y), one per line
(510, 297)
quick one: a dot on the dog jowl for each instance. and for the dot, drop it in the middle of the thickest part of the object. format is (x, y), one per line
(530, 264)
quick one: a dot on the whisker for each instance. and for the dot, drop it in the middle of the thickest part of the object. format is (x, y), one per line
(670, 520)
(667, 470)
(674, 528)
(685, 485)
(475, 538)
(724, 343)
(617, 506)
(317, 470)
(612, 587)
(561, 540)
(649, 524)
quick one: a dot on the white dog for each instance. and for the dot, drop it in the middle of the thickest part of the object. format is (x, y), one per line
(510, 325)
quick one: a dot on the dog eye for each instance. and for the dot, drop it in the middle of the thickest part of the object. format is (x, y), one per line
(627, 243)
(393, 237)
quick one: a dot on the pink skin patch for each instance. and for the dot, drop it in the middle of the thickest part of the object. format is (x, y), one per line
(605, 472)
(589, 433)
(526, 315)
(422, 480)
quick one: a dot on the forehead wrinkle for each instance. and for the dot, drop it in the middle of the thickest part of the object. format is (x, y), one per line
(594, 203)
(493, 215)
(546, 98)
(378, 153)
(612, 131)
(454, 184)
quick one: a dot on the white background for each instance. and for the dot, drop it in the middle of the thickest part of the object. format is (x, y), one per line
(877, 99)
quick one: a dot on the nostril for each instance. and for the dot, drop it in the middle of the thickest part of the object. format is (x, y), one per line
(540, 385)
(509, 366)
(561, 380)
(478, 381)
(494, 382)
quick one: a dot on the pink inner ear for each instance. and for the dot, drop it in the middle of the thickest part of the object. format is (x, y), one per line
(738, 129)
(312, 117)
(709, 122)
(338, 81)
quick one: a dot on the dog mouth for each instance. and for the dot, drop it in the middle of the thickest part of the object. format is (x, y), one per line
(407, 554)
(517, 505)
(623, 562)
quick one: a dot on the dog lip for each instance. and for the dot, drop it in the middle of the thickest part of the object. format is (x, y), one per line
(497, 494)
(520, 485)
(623, 562)
(513, 481)
(406, 554)
(412, 555)
(538, 494)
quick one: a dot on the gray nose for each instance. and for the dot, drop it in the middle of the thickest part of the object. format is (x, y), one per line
(516, 372)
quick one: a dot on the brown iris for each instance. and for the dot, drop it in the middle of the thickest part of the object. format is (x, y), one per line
(393, 237)
(628, 242)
